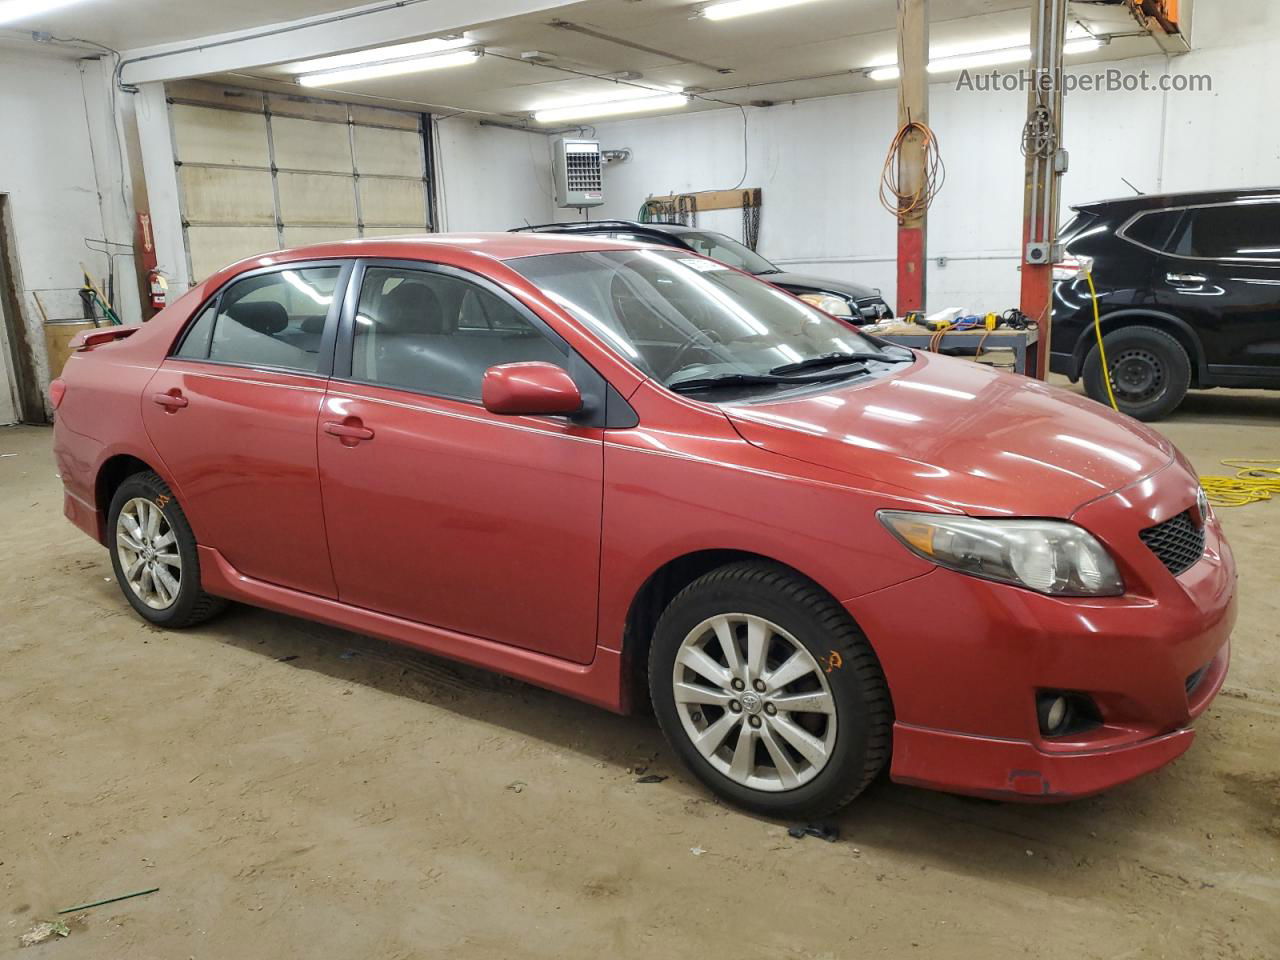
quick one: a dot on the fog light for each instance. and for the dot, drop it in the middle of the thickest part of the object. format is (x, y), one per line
(1061, 712)
(1053, 712)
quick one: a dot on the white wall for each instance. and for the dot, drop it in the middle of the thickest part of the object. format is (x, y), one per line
(491, 178)
(819, 161)
(61, 171)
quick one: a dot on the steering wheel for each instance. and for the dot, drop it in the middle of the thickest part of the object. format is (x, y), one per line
(704, 338)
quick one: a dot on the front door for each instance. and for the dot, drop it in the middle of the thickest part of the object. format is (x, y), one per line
(233, 412)
(438, 511)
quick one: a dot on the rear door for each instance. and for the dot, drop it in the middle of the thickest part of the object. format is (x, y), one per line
(233, 413)
(437, 510)
(1223, 274)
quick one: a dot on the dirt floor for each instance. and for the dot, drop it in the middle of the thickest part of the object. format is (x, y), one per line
(298, 791)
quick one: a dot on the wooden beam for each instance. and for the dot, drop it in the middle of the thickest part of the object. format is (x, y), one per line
(719, 199)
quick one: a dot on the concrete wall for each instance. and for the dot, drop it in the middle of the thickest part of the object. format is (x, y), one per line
(61, 170)
(819, 161)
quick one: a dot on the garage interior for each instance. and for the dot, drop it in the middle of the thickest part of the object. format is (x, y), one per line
(279, 787)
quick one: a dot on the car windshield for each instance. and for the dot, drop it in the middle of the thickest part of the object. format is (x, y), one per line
(686, 320)
(727, 250)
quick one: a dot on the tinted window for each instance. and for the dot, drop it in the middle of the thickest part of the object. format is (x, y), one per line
(1247, 231)
(1154, 229)
(438, 334)
(272, 319)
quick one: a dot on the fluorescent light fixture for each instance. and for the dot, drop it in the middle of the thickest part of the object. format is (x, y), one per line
(619, 94)
(391, 68)
(396, 51)
(986, 58)
(740, 8)
(11, 10)
(582, 111)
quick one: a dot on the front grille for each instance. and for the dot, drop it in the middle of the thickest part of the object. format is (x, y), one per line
(1178, 542)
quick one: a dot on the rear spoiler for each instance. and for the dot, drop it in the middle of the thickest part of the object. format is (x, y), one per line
(96, 338)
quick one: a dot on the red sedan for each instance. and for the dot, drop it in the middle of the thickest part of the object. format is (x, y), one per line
(622, 471)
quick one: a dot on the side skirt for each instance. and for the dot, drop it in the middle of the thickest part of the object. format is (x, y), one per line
(598, 682)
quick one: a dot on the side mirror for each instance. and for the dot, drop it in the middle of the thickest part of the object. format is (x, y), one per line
(529, 389)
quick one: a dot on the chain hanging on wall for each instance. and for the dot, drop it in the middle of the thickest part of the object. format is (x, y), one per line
(752, 202)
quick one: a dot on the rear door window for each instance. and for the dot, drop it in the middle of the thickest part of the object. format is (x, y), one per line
(272, 319)
(1241, 231)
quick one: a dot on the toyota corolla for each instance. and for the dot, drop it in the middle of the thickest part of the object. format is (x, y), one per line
(629, 473)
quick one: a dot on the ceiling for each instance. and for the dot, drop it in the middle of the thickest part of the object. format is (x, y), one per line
(813, 50)
(129, 24)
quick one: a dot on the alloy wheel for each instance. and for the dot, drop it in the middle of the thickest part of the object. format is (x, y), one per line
(754, 702)
(148, 552)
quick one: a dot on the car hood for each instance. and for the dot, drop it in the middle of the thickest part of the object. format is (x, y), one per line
(961, 435)
(806, 283)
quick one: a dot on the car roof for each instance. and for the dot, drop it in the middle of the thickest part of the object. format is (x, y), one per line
(450, 249)
(428, 246)
(1155, 201)
(595, 226)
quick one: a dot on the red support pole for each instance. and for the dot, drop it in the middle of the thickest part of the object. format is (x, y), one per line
(913, 108)
(911, 251)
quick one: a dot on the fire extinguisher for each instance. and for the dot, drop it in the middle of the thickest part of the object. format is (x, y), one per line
(159, 289)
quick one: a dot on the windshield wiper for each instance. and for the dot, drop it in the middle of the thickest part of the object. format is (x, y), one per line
(749, 379)
(765, 273)
(834, 360)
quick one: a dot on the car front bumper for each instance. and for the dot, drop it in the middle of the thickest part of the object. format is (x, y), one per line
(965, 660)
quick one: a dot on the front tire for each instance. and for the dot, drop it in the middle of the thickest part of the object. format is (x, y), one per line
(1150, 372)
(768, 692)
(153, 553)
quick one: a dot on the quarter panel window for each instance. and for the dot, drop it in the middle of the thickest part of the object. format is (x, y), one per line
(271, 319)
(1154, 229)
(434, 333)
(195, 345)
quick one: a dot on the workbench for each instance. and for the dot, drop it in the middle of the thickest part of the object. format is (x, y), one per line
(964, 343)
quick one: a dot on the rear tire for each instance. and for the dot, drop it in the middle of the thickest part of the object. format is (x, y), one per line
(794, 720)
(1150, 372)
(153, 553)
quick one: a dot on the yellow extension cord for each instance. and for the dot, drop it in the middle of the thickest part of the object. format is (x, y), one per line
(1254, 481)
(1102, 350)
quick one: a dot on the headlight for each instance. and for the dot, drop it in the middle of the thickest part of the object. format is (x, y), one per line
(828, 304)
(1049, 556)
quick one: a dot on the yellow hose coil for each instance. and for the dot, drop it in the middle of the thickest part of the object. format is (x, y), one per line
(1255, 481)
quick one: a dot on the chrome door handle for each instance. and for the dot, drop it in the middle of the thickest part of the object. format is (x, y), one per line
(1185, 278)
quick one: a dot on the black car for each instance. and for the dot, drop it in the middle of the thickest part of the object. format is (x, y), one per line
(1189, 291)
(860, 304)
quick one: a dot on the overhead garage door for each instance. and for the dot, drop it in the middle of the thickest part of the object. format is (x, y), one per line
(260, 171)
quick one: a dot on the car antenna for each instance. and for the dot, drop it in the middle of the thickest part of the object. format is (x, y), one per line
(1133, 188)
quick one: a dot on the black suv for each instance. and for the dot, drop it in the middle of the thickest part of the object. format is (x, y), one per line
(1189, 290)
(859, 304)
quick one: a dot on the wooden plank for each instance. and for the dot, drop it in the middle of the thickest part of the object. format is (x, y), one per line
(718, 199)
